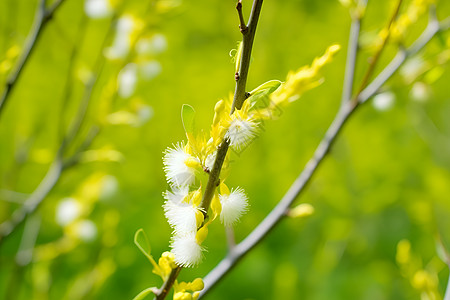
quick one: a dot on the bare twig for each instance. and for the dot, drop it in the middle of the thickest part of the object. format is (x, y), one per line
(376, 57)
(43, 16)
(345, 111)
(352, 55)
(60, 163)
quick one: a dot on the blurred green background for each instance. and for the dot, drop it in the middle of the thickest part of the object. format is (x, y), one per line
(386, 179)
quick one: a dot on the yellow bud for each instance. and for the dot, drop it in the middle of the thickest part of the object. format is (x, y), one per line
(216, 206)
(301, 211)
(197, 196)
(333, 49)
(197, 285)
(224, 190)
(182, 296)
(199, 217)
(403, 255)
(423, 280)
(170, 259)
(191, 162)
(218, 110)
(201, 235)
(195, 295)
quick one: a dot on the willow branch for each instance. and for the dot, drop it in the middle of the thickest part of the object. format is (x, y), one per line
(239, 98)
(43, 16)
(345, 112)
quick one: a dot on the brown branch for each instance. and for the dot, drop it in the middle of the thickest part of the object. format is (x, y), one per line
(239, 98)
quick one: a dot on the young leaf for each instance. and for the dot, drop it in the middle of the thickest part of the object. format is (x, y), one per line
(263, 90)
(145, 292)
(187, 116)
(141, 241)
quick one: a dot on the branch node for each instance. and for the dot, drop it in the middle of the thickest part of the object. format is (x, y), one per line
(242, 27)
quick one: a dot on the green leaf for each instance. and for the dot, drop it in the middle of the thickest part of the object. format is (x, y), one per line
(187, 116)
(263, 91)
(141, 241)
(145, 292)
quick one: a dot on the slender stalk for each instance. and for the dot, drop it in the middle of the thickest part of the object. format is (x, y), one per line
(167, 286)
(352, 55)
(345, 112)
(376, 57)
(239, 98)
(43, 16)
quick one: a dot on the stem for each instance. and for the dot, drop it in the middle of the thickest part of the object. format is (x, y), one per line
(165, 289)
(345, 112)
(376, 57)
(31, 204)
(239, 98)
(248, 36)
(352, 54)
(242, 25)
(43, 16)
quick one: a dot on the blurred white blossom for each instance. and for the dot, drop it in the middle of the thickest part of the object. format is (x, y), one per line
(122, 40)
(97, 9)
(127, 80)
(152, 46)
(420, 92)
(383, 101)
(67, 211)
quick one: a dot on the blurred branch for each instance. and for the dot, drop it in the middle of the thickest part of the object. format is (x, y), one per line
(352, 55)
(345, 111)
(376, 57)
(70, 70)
(13, 196)
(231, 240)
(43, 16)
(60, 164)
(447, 290)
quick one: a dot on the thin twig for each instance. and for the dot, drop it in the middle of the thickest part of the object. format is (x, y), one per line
(43, 16)
(376, 57)
(242, 25)
(167, 285)
(59, 164)
(352, 55)
(345, 111)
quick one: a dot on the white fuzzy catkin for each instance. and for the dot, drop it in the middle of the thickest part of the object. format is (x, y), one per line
(187, 252)
(234, 206)
(177, 172)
